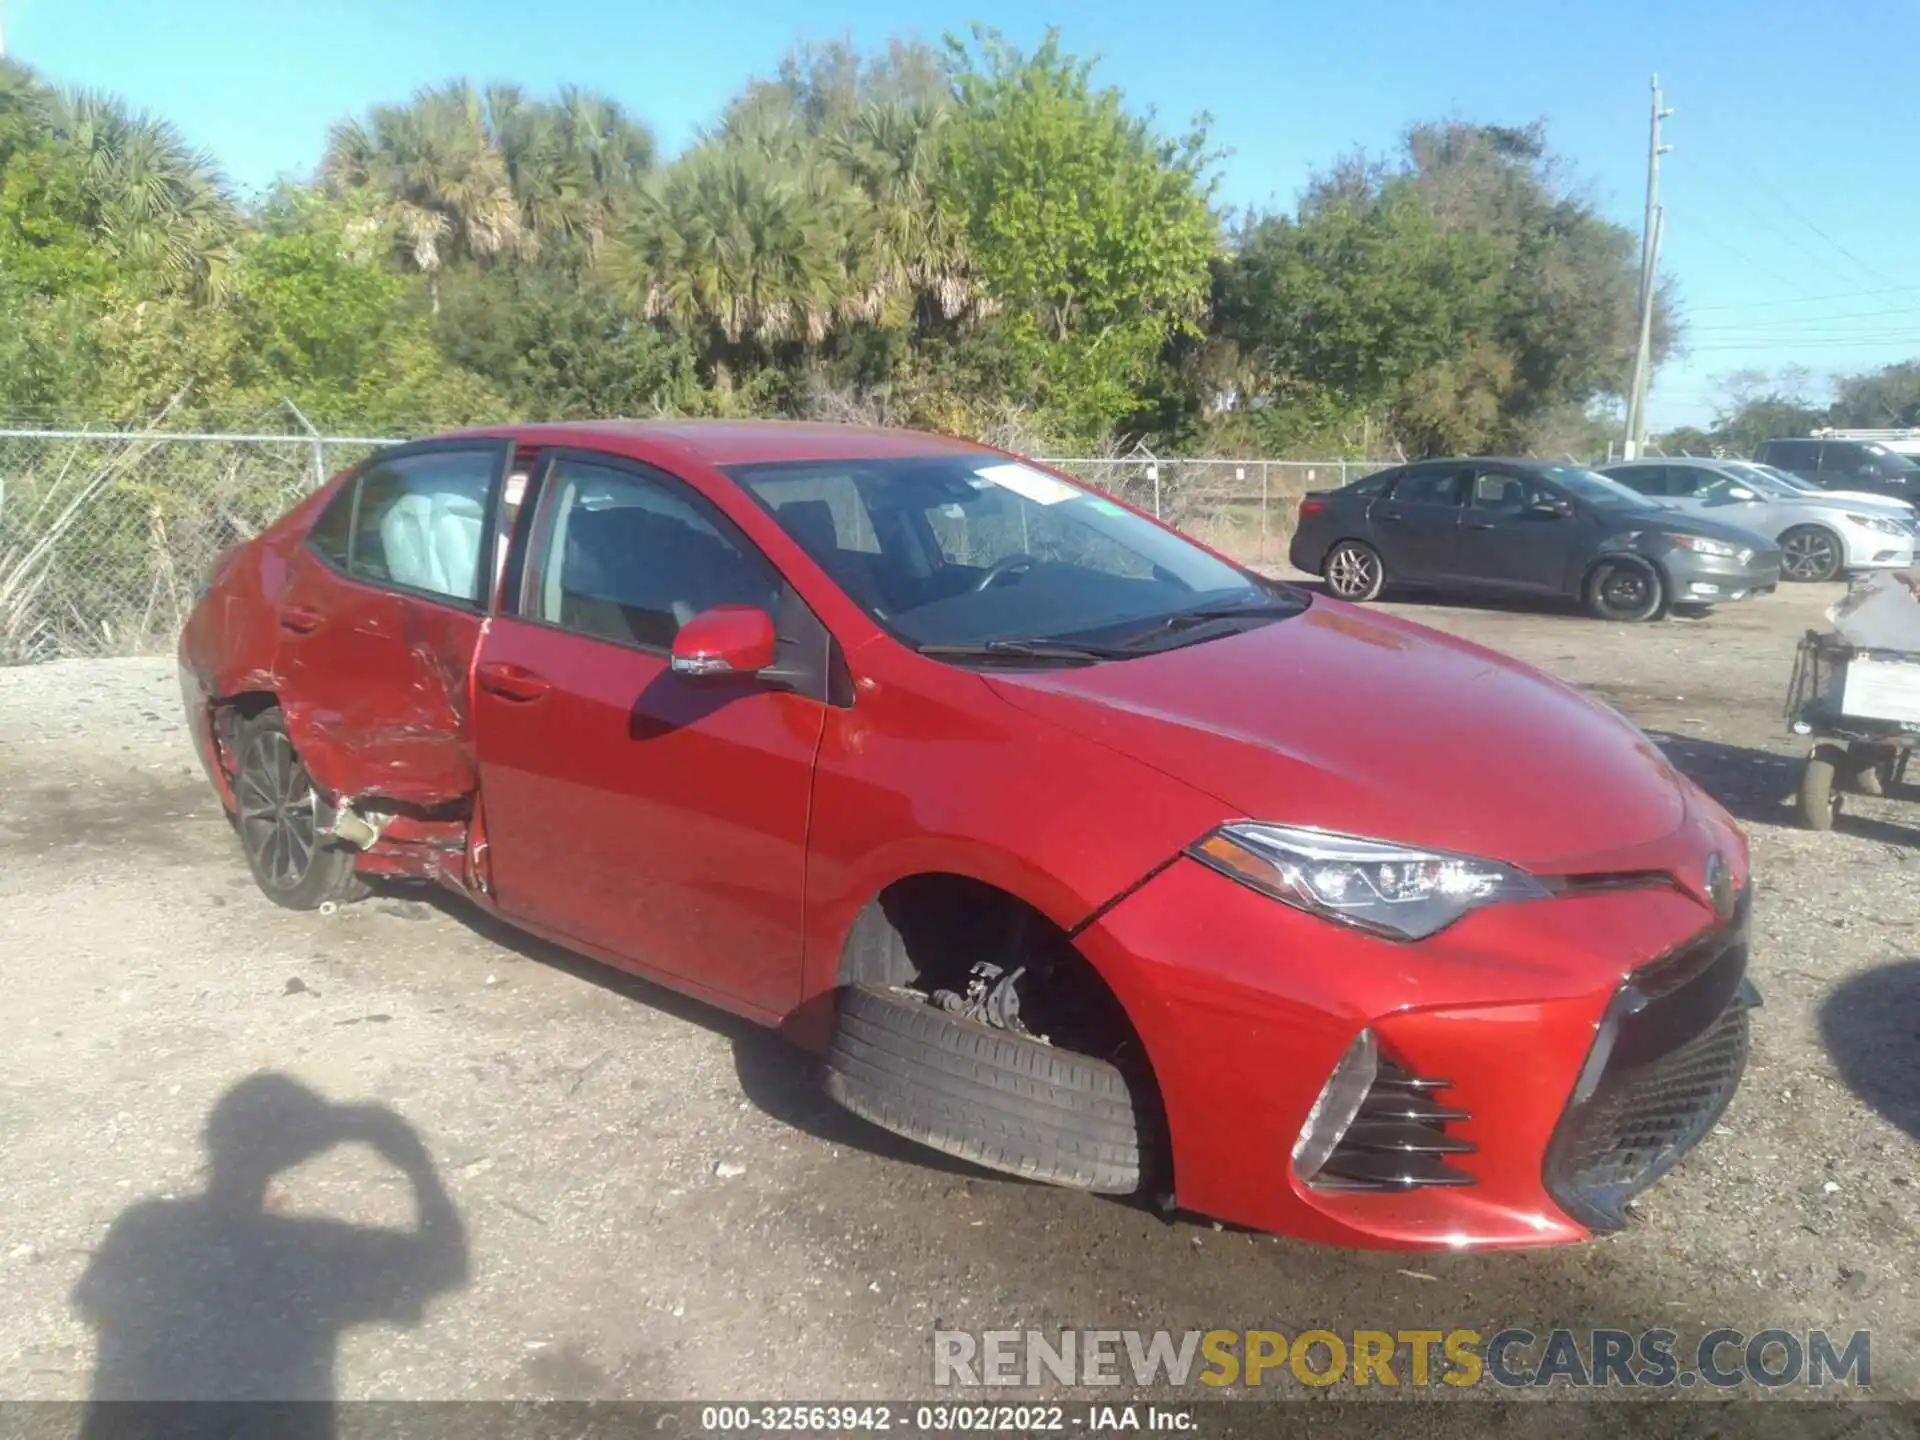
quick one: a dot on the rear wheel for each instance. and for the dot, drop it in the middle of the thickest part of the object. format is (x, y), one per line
(1810, 553)
(1819, 798)
(1354, 571)
(1625, 588)
(282, 821)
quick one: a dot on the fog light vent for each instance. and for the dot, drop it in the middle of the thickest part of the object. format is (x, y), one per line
(1336, 1106)
(1398, 1137)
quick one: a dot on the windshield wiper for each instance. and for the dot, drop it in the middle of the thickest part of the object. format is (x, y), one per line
(1063, 650)
(1273, 609)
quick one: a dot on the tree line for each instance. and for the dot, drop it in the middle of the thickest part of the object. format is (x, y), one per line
(966, 238)
(1757, 406)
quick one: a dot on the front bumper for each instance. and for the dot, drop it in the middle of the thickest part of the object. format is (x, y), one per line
(1717, 579)
(1877, 550)
(1530, 1021)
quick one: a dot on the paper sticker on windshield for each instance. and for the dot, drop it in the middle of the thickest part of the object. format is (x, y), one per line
(1028, 483)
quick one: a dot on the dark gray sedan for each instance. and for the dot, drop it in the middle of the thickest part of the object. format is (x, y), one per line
(1522, 527)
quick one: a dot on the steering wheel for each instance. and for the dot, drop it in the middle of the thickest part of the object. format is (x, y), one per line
(1004, 566)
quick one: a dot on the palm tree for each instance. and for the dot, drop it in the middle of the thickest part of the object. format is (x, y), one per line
(149, 198)
(571, 164)
(746, 238)
(894, 150)
(23, 106)
(431, 171)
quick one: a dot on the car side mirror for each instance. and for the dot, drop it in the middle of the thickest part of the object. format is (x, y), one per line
(726, 640)
(1740, 492)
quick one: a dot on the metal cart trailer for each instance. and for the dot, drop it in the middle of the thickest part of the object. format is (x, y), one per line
(1862, 708)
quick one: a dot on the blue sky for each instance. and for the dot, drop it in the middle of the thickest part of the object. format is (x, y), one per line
(1791, 215)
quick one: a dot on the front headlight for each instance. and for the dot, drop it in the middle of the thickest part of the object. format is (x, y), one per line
(1700, 545)
(1399, 891)
(1880, 524)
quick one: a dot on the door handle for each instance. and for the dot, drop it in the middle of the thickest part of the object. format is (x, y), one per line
(1481, 525)
(301, 620)
(511, 682)
(1393, 515)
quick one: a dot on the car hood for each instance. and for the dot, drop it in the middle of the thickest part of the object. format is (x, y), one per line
(1360, 722)
(1861, 500)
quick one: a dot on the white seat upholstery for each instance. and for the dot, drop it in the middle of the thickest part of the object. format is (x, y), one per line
(432, 543)
(455, 528)
(406, 538)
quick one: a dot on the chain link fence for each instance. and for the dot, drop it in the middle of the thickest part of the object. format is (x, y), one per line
(106, 537)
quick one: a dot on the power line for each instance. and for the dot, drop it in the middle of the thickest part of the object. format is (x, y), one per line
(1808, 299)
(1734, 160)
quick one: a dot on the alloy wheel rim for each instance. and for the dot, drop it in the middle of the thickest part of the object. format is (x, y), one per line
(1806, 557)
(1350, 572)
(278, 811)
(1625, 590)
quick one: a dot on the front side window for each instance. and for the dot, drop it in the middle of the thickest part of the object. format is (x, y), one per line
(973, 549)
(1600, 491)
(631, 556)
(1647, 479)
(1844, 460)
(1496, 493)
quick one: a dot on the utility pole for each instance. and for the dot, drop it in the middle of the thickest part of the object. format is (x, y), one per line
(1649, 270)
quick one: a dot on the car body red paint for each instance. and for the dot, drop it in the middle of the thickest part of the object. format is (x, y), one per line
(724, 839)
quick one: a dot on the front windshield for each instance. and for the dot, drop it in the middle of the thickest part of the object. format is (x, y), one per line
(968, 550)
(1600, 491)
(1758, 477)
(1788, 478)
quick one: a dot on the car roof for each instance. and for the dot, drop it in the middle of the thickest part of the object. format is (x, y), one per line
(737, 442)
(1539, 466)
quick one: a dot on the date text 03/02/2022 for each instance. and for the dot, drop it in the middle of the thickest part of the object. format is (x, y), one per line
(946, 1419)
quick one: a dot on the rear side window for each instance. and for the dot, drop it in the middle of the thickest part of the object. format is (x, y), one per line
(330, 532)
(1374, 486)
(631, 557)
(420, 523)
(1435, 486)
(1801, 454)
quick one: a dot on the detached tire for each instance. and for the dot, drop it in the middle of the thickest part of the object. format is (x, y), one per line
(1625, 588)
(994, 1097)
(281, 819)
(1819, 799)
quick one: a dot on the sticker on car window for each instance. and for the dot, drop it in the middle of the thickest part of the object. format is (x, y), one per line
(1105, 507)
(1028, 483)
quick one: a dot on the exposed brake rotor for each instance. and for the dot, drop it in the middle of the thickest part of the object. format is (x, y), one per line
(992, 997)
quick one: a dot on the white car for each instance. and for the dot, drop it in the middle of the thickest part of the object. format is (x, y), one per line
(1821, 533)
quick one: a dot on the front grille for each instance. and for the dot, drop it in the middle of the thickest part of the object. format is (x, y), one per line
(1399, 1140)
(1666, 1060)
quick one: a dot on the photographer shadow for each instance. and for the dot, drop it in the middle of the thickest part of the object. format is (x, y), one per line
(215, 1298)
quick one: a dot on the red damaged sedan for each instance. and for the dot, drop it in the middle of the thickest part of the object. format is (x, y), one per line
(1076, 850)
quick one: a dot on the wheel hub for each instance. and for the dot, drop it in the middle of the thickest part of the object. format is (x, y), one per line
(279, 819)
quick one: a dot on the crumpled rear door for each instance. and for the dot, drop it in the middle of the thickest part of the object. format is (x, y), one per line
(374, 663)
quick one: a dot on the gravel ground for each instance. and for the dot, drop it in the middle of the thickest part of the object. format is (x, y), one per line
(646, 1198)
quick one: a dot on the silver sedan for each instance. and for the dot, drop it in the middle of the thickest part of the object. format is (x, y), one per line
(1821, 533)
